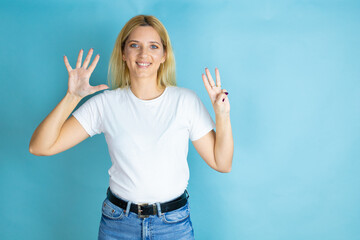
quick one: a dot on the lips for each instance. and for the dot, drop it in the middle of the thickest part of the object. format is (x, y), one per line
(143, 64)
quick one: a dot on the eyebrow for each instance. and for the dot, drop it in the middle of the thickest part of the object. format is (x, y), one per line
(149, 41)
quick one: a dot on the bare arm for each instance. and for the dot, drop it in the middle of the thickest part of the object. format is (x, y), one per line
(56, 133)
(47, 133)
(217, 148)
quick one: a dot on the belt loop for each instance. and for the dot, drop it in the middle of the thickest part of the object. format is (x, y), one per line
(187, 193)
(158, 209)
(128, 208)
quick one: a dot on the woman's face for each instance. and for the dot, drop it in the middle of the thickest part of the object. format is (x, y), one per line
(143, 52)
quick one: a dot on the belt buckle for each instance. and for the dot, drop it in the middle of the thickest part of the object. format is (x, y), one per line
(140, 210)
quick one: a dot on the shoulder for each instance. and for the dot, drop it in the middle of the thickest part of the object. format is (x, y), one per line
(99, 98)
(182, 92)
(114, 92)
(106, 94)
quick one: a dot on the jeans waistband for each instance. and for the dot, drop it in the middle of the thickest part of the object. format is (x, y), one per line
(145, 210)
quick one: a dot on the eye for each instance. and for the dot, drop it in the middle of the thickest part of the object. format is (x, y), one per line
(154, 47)
(134, 45)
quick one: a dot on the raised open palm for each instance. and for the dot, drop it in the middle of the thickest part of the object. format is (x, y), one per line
(78, 84)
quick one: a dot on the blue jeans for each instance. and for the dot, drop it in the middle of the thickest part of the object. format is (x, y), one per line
(117, 223)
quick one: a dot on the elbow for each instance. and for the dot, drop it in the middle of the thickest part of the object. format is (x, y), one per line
(34, 152)
(223, 169)
(37, 152)
(224, 166)
(227, 170)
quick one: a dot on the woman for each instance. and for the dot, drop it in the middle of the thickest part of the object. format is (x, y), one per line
(147, 121)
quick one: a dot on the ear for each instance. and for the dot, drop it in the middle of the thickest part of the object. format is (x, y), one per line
(123, 58)
(163, 58)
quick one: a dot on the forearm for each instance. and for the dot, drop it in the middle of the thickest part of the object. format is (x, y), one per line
(48, 131)
(224, 143)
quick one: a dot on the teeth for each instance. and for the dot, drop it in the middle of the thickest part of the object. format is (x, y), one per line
(143, 64)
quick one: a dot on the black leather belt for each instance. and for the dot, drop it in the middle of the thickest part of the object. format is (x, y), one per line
(145, 210)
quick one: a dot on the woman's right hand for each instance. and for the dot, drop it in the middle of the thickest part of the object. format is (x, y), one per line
(78, 84)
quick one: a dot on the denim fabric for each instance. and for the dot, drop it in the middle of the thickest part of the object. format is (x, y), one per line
(118, 223)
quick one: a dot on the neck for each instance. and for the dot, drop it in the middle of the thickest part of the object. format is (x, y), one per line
(145, 89)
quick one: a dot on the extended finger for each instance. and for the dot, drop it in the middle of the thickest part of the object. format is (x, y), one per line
(206, 83)
(93, 64)
(78, 63)
(88, 57)
(99, 87)
(211, 81)
(67, 64)
(217, 74)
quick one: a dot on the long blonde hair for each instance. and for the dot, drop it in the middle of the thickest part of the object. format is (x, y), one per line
(118, 72)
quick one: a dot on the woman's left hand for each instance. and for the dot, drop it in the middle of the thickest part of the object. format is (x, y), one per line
(218, 96)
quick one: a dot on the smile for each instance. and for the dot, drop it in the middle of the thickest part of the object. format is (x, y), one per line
(145, 64)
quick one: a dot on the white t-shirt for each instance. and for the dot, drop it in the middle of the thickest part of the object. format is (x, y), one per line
(148, 140)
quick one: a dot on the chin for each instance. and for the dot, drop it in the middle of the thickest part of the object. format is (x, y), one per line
(145, 74)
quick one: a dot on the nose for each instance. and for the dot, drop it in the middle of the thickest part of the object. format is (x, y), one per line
(143, 52)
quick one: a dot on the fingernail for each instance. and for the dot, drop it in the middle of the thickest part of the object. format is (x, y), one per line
(224, 99)
(226, 93)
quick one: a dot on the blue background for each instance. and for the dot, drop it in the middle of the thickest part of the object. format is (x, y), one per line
(292, 70)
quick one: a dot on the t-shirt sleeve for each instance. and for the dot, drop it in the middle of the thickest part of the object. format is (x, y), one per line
(200, 120)
(89, 114)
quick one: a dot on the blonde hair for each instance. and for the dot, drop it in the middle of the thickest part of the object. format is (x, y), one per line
(118, 72)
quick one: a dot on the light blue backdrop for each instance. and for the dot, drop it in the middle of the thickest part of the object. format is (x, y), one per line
(292, 70)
